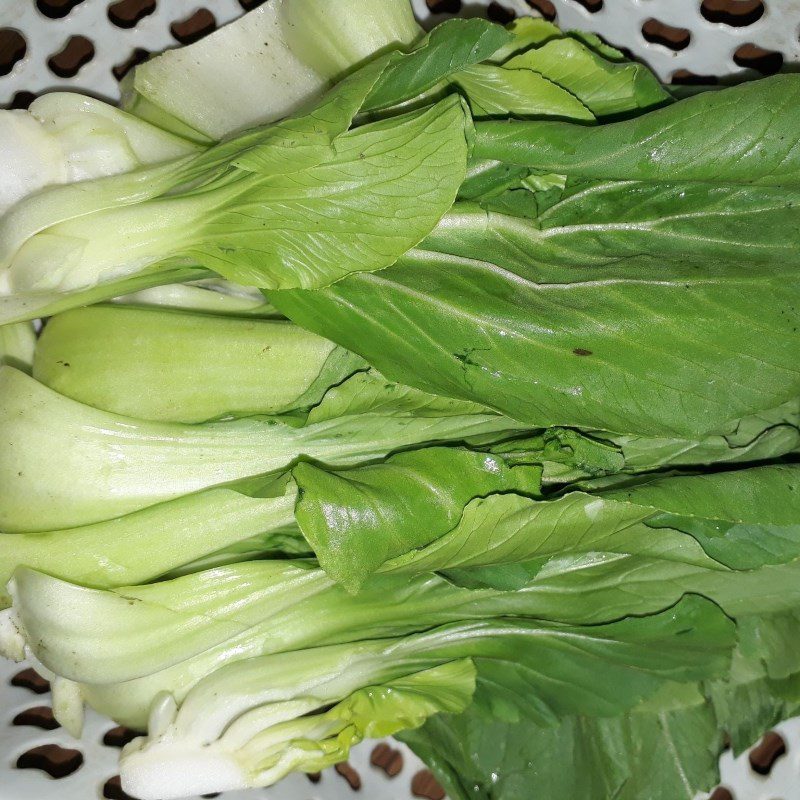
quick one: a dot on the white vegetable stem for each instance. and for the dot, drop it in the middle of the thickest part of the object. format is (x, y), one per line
(66, 137)
(267, 64)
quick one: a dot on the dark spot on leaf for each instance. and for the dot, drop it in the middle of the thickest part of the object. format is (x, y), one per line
(249, 5)
(314, 777)
(57, 762)
(582, 351)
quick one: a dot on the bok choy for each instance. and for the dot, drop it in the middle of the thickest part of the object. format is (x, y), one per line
(448, 390)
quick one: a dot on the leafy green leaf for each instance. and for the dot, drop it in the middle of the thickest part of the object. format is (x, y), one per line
(449, 47)
(357, 520)
(743, 519)
(146, 544)
(526, 32)
(702, 138)
(495, 91)
(527, 661)
(64, 464)
(758, 437)
(353, 213)
(253, 757)
(26, 306)
(602, 295)
(603, 86)
(669, 755)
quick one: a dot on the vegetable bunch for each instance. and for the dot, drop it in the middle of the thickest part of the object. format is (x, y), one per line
(442, 385)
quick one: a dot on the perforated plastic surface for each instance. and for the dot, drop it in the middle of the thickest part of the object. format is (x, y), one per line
(677, 38)
(719, 38)
(99, 760)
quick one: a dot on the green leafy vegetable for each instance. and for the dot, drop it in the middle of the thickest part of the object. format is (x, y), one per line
(17, 345)
(266, 65)
(511, 657)
(724, 148)
(357, 520)
(147, 544)
(496, 91)
(525, 483)
(245, 223)
(448, 48)
(758, 505)
(631, 340)
(66, 137)
(64, 464)
(208, 295)
(603, 86)
(144, 363)
(668, 754)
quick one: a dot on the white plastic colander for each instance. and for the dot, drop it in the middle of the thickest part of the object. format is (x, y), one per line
(87, 45)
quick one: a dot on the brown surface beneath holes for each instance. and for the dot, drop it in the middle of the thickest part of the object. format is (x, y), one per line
(194, 27)
(764, 755)
(31, 679)
(119, 737)
(658, 32)
(37, 717)
(12, 48)
(423, 784)
(443, 6)
(113, 790)
(686, 78)
(721, 793)
(388, 759)
(68, 61)
(737, 13)
(754, 57)
(57, 762)
(350, 775)
(500, 14)
(128, 13)
(544, 7)
(56, 9)
(591, 5)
